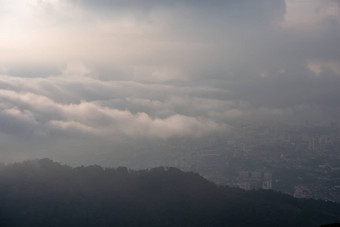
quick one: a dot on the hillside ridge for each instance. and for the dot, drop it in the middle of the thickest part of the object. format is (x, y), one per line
(46, 193)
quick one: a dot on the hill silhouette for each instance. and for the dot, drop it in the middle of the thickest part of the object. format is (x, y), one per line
(46, 193)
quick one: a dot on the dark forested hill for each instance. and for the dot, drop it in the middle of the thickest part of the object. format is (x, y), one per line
(45, 193)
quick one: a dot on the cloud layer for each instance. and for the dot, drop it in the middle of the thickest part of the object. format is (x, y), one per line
(90, 72)
(102, 108)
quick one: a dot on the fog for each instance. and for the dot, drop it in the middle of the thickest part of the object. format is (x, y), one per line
(92, 81)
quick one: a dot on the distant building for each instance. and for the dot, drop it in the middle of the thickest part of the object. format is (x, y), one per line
(267, 185)
(244, 185)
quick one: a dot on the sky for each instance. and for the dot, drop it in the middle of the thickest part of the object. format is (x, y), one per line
(82, 77)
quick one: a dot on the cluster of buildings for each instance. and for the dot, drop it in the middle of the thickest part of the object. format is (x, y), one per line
(317, 191)
(254, 179)
(254, 157)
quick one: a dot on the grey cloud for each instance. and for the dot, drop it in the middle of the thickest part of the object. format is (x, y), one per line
(294, 87)
(17, 122)
(161, 69)
(92, 117)
(248, 6)
(32, 71)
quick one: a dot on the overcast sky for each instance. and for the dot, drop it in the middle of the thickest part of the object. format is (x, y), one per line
(79, 76)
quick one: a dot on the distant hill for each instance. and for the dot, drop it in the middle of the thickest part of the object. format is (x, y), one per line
(45, 193)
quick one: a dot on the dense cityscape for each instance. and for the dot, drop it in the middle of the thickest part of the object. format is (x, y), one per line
(302, 161)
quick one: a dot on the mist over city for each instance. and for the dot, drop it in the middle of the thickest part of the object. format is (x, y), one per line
(244, 93)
